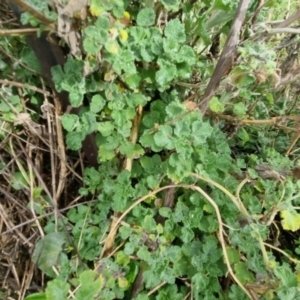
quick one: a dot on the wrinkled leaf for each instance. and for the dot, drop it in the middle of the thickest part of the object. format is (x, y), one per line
(47, 250)
(57, 289)
(290, 220)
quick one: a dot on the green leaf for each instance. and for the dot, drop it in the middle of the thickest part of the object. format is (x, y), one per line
(149, 223)
(36, 296)
(18, 181)
(175, 30)
(166, 73)
(139, 34)
(201, 131)
(182, 130)
(106, 128)
(57, 76)
(200, 281)
(146, 54)
(131, 150)
(27, 18)
(290, 220)
(183, 70)
(14, 101)
(129, 248)
(88, 122)
(288, 293)
(175, 109)
(97, 103)
(239, 109)
(123, 283)
(47, 250)
(74, 140)
(117, 104)
(27, 56)
(243, 135)
(37, 191)
(106, 154)
(141, 296)
(151, 279)
(151, 164)
(96, 8)
(135, 99)
(178, 167)
(153, 182)
(57, 290)
(96, 35)
(112, 143)
(242, 76)
(125, 232)
(91, 285)
(103, 22)
(165, 212)
(185, 54)
(218, 17)
(236, 292)
(163, 138)
(118, 9)
(187, 234)
(168, 275)
(90, 46)
(171, 46)
(146, 17)
(215, 105)
(124, 61)
(286, 276)
(74, 67)
(171, 4)
(156, 116)
(76, 98)
(143, 253)
(112, 46)
(156, 45)
(243, 273)
(122, 258)
(69, 121)
(133, 81)
(4, 107)
(270, 98)
(233, 255)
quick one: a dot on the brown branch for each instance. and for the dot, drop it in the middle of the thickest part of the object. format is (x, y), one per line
(25, 7)
(18, 32)
(294, 17)
(25, 86)
(228, 54)
(272, 121)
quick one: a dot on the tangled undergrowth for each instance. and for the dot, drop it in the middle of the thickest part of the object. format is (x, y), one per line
(149, 150)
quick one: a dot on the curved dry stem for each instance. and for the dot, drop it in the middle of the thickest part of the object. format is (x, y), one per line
(293, 260)
(61, 150)
(117, 222)
(235, 201)
(221, 237)
(237, 194)
(156, 288)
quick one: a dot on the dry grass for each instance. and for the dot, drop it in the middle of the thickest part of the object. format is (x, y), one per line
(37, 179)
